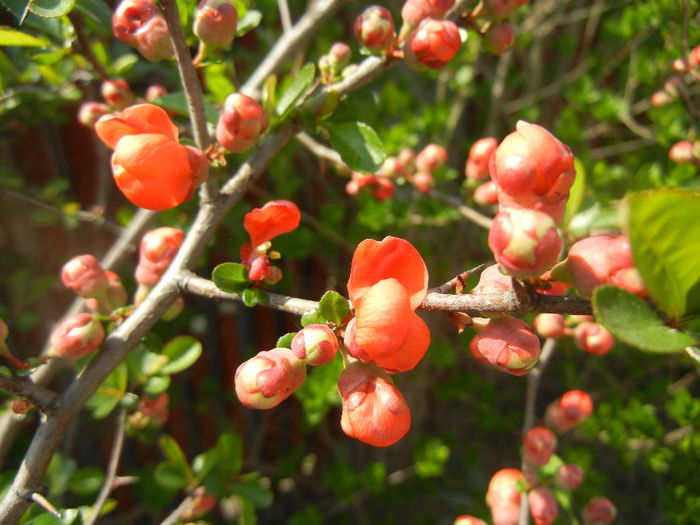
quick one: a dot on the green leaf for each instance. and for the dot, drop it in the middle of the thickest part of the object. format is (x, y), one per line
(296, 89)
(663, 227)
(175, 457)
(633, 322)
(97, 10)
(12, 37)
(87, 481)
(286, 340)
(177, 103)
(108, 395)
(51, 8)
(230, 451)
(230, 277)
(156, 385)
(181, 352)
(431, 458)
(254, 492)
(170, 476)
(250, 20)
(334, 307)
(575, 194)
(319, 392)
(254, 296)
(357, 144)
(312, 317)
(204, 463)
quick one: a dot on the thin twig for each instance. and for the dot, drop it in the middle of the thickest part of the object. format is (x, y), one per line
(42, 397)
(452, 283)
(85, 49)
(174, 516)
(285, 17)
(111, 473)
(465, 211)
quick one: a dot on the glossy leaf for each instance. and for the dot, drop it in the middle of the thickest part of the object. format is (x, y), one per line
(87, 481)
(286, 340)
(333, 307)
(175, 456)
(230, 277)
(51, 8)
(108, 395)
(358, 145)
(253, 491)
(12, 37)
(156, 385)
(312, 317)
(170, 476)
(575, 194)
(632, 321)
(302, 81)
(248, 21)
(253, 297)
(181, 352)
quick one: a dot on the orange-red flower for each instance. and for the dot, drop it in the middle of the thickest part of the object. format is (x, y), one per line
(273, 219)
(151, 168)
(388, 280)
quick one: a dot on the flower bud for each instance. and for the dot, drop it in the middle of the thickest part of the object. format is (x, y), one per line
(407, 158)
(215, 22)
(90, 112)
(383, 189)
(524, 242)
(681, 152)
(20, 406)
(414, 11)
(593, 338)
(672, 85)
(151, 411)
(241, 123)
(499, 38)
(498, 9)
(155, 91)
(432, 157)
(680, 65)
(258, 266)
(374, 29)
(543, 506)
(661, 98)
(116, 93)
(424, 181)
(432, 44)
(85, 276)
(550, 325)
(694, 57)
(569, 411)
(201, 503)
(157, 250)
(569, 476)
(486, 194)
(267, 379)
(631, 280)
(140, 24)
(538, 446)
(374, 411)
(469, 520)
(114, 298)
(274, 277)
(492, 280)
(76, 337)
(533, 169)
(503, 497)
(477, 167)
(316, 344)
(599, 511)
(392, 168)
(509, 344)
(338, 57)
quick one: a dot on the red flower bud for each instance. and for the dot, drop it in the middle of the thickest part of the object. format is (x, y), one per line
(424, 181)
(215, 22)
(661, 98)
(486, 194)
(433, 44)
(155, 91)
(407, 158)
(543, 506)
(155, 409)
(413, 11)
(267, 379)
(157, 250)
(533, 169)
(113, 299)
(538, 446)
(503, 497)
(599, 511)
(569, 476)
(76, 337)
(116, 93)
(492, 280)
(682, 152)
(383, 188)
(258, 266)
(90, 112)
(469, 520)
(477, 167)
(20, 406)
(694, 57)
(524, 242)
(316, 344)
(432, 157)
(550, 325)
(241, 123)
(374, 411)
(374, 28)
(499, 38)
(569, 411)
(593, 338)
(85, 276)
(338, 57)
(273, 219)
(140, 24)
(392, 168)
(509, 344)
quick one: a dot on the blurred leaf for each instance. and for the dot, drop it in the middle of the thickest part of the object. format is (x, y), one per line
(170, 476)
(357, 144)
(374, 476)
(286, 340)
(230, 452)
(13, 37)
(108, 395)
(301, 83)
(204, 463)
(97, 10)
(230, 277)
(51, 8)
(181, 352)
(250, 20)
(254, 296)
(575, 194)
(254, 492)
(431, 457)
(155, 385)
(87, 481)
(663, 227)
(334, 307)
(175, 457)
(632, 321)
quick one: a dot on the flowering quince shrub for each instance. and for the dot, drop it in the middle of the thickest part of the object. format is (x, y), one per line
(540, 165)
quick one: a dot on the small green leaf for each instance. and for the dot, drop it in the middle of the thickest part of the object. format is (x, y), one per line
(108, 395)
(633, 322)
(357, 144)
(181, 352)
(170, 476)
(87, 481)
(250, 20)
(431, 458)
(312, 317)
(334, 307)
(254, 296)
(51, 8)
(97, 10)
(575, 194)
(230, 277)
(156, 385)
(296, 89)
(204, 463)
(286, 340)
(12, 37)
(663, 227)
(254, 492)
(174, 455)
(230, 452)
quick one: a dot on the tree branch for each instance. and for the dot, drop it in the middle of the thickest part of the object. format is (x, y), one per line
(473, 304)
(26, 389)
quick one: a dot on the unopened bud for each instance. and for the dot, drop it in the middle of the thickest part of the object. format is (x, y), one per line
(157, 250)
(509, 344)
(90, 112)
(569, 476)
(392, 168)
(407, 158)
(543, 506)
(139, 23)
(477, 167)
(241, 123)
(486, 194)
(569, 411)
(432, 157)
(267, 379)
(374, 28)
(550, 325)
(316, 344)
(76, 337)
(383, 189)
(20, 406)
(85, 276)
(593, 338)
(599, 511)
(503, 497)
(117, 93)
(661, 98)
(155, 91)
(424, 181)
(681, 152)
(432, 44)
(215, 22)
(469, 520)
(338, 57)
(538, 445)
(499, 38)
(201, 503)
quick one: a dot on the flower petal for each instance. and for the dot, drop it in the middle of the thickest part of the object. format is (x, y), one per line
(273, 219)
(135, 120)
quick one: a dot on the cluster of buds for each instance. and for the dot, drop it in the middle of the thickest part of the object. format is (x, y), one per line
(140, 24)
(151, 168)
(263, 225)
(689, 67)
(215, 22)
(241, 123)
(333, 64)
(569, 411)
(497, 36)
(432, 44)
(381, 186)
(116, 94)
(102, 290)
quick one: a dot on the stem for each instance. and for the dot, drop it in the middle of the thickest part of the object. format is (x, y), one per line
(468, 213)
(85, 50)
(25, 388)
(174, 516)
